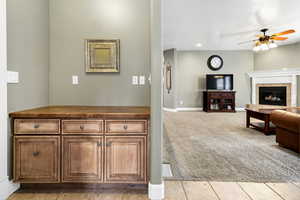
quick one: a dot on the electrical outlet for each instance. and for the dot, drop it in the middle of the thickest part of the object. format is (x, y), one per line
(135, 80)
(12, 77)
(142, 80)
(75, 80)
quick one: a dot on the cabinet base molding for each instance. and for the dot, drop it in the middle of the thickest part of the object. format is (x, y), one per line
(81, 186)
(156, 191)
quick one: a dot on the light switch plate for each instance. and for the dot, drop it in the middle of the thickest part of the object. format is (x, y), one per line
(12, 77)
(142, 80)
(75, 80)
(135, 80)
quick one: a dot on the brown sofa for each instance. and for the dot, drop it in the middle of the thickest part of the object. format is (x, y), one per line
(287, 129)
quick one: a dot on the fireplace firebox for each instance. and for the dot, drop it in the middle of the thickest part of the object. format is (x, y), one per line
(273, 96)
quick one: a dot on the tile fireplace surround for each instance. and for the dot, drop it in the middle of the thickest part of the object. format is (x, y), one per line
(286, 77)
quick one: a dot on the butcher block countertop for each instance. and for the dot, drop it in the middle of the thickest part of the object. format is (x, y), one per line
(77, 112)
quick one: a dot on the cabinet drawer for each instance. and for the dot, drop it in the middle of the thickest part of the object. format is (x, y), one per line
(36, 126)
(126, 126)
(82, 126)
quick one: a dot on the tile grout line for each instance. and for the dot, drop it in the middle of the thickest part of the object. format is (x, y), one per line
(274, 191)
(244, 190)
(213, 190)
(186, 196)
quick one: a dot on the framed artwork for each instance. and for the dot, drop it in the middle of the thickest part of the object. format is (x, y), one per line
(169, 77)
(102, 56)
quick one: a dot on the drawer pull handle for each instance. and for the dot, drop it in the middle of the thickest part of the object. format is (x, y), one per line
(36, 153)
(108, 144)
(81, 127)
(125, 127)
(36, 126)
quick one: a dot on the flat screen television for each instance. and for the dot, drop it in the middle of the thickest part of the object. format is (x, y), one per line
(219, 81)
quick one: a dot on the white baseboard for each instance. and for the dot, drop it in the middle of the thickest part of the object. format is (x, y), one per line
(182, 109)
(170, 109)
(7, 188)
(156, 191)
(189, 109)
(240, 109)
(194, 109)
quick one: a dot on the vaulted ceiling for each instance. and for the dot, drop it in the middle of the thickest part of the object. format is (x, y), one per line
(222, 24)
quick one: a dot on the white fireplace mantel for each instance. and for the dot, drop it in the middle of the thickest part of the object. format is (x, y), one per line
(275, 77)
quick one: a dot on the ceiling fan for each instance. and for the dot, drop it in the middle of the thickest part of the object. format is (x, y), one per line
(265, 42)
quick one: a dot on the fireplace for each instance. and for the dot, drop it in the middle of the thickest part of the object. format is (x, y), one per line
(275, 78)
(273, 96)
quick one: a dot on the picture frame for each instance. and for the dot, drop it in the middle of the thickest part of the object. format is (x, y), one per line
(102, 55)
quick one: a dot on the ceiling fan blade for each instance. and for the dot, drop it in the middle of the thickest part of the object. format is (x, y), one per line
(245, 42)
(284, 32)
(279, 38)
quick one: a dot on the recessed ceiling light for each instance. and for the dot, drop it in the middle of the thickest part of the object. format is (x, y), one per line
(199, 45)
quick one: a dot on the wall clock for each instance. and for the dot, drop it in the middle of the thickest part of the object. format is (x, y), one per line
(215, 62)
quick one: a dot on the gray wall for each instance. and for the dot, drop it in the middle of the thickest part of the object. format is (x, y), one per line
(282, 57)
(192, 69)
(286, 56)
(156, 94)
(73, 21)
(27, 50)
(170, 57)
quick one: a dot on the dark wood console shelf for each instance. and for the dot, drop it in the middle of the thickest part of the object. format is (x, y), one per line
(219, 101)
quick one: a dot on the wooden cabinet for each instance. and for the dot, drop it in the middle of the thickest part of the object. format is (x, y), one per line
(219, 101)
(81, 146)
(82, 158)
(37, 159)
(125, 159)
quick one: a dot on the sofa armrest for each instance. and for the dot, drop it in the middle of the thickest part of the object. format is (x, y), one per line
(286, 120)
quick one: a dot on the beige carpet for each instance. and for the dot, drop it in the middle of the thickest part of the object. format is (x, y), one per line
(218, 147)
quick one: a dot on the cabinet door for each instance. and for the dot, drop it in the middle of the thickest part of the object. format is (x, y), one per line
(126, 159)
(37, 159)
(82, 159)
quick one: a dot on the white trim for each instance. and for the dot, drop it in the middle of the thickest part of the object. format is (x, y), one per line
(189, 109)
(3, 92)
(166, 171)
(274, 73)
(275, 77)
(194, 109)
(170, 109)
(156, 191)
(7, 188)
(240, 109)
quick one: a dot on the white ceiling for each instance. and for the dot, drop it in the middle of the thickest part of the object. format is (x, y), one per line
(222, 24)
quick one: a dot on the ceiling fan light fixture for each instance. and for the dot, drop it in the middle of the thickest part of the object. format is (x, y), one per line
(256, 48)
(273, 45)
(264, 47)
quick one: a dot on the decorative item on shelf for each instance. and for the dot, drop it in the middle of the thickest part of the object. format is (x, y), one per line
(215, 62)
(102, 55)
(168, 77)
